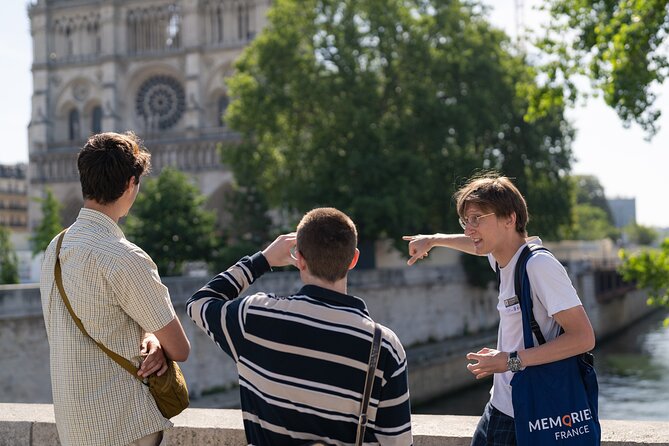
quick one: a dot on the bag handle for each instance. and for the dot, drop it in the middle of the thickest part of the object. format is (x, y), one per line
(369, 383)
(120, 360)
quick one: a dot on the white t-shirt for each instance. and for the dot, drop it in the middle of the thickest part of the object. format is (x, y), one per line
(552, 292)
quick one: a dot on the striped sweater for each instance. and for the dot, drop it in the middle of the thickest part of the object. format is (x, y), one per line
(302, 361)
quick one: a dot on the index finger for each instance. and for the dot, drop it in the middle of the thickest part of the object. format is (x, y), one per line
(409, 237)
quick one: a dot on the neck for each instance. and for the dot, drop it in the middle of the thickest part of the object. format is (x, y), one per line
(504, 255)
(111, 210)
(339, 286)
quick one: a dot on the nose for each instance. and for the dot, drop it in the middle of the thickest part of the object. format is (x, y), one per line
(469, 230)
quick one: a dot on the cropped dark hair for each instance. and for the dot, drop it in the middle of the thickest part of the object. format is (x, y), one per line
(494, 193)
(326, 239)
(106, 163)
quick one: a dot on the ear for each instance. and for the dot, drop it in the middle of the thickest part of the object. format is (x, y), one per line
(354, 262)
(511, 220)
(129, 185)
(299, 261)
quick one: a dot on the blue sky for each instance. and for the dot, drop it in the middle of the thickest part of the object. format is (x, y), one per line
(626, 164)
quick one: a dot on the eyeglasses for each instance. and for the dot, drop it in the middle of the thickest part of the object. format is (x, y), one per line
(473, 220)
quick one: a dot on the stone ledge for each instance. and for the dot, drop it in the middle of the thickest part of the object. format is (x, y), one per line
(33, 425)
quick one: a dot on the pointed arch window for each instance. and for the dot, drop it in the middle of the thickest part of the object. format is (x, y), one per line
(74, 124)
(223, 103)
(96, 119)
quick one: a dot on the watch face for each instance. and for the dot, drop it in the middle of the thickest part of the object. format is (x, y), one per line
(515, 364)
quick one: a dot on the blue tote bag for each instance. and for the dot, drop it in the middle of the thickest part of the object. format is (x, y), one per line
(555, 403)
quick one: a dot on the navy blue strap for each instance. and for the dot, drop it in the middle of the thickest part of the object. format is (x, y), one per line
(522, 290)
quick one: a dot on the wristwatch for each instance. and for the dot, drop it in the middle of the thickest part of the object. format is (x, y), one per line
(514, 363)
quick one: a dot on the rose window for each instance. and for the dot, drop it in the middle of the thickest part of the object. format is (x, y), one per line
(160, 101)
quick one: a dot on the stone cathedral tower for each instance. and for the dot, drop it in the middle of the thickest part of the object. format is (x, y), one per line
(155, 67)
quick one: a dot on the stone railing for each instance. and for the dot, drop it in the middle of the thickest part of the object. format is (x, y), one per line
(34, 425)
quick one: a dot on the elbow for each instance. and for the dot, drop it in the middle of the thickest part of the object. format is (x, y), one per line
(181, 355)
(589, 341)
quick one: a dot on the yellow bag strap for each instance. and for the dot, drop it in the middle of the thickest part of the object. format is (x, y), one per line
(120, 360)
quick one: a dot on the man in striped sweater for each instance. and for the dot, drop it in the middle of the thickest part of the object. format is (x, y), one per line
(302, 359)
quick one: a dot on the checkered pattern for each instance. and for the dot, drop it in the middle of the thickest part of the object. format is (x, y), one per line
(494, 429)
(115, 290)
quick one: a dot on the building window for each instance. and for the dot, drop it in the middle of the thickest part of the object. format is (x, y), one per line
(74, 124)
(223, 103)
(96, 119)
(154, 28)
(160, 102)
(243, 22)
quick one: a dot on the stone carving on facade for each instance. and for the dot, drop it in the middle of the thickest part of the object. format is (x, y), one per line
(80, 90)
(160, 102)
(75, 37)
(154, 28)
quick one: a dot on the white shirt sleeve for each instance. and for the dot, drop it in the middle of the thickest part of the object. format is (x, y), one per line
(550, 283)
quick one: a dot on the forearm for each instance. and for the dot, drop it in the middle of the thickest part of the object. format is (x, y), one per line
(459, 242)
(564, 346)
(215, 307)
(578, 337)
(230, 283)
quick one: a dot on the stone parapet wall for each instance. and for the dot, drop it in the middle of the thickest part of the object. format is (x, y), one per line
(34, 425)
(436, 314)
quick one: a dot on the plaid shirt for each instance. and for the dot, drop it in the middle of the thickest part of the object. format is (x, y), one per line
(114, 288)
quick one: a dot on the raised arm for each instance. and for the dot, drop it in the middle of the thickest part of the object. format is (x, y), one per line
(215, 307)
(421, 244)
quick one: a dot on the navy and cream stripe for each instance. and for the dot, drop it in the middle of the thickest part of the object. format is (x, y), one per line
(302, 361)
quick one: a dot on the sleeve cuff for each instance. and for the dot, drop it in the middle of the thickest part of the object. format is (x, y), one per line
(260, 264)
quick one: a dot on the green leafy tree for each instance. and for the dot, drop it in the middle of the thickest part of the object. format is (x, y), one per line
(247, 228)
(591, 223)
(9, 263)
(649, 269)
(641, 235)
(382, 108)
(589, 191)
(619, 45)
(169, 222)
(591, 215)
(50, 224)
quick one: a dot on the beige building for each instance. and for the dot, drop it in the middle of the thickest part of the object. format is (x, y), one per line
(156, 67)
(14, 197)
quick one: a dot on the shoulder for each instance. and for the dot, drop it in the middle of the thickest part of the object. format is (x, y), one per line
(126, 251)
(50, 250)
(391, 342)
(543, 261)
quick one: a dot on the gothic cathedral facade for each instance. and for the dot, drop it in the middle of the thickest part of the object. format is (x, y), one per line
(154, 67)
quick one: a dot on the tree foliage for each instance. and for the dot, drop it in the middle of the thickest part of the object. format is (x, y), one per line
(50, 224)
(591, 215)
(9, 263)
(641, 235)
(589, 191)
(169, 222)
(383, 108)
(618, 44)
(248, 228)
(591, 223)
(649, 269)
